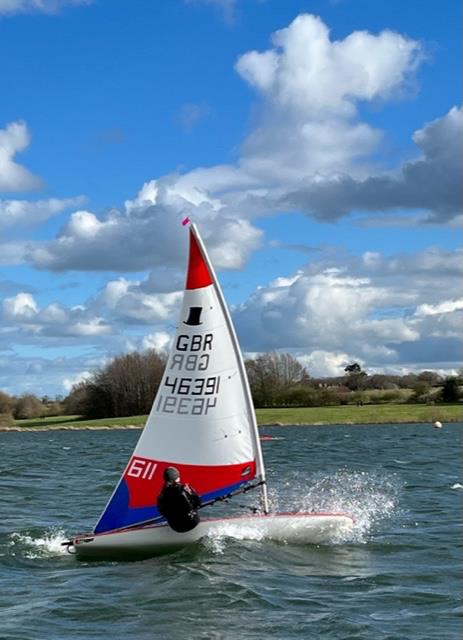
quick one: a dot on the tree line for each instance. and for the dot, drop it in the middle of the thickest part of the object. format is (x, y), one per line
(279, 380)
(126, 386)
(27, 406)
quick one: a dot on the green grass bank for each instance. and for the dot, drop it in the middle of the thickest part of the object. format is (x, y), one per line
(366, 414)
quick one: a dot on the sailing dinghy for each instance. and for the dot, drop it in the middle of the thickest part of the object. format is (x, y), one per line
(203, 423)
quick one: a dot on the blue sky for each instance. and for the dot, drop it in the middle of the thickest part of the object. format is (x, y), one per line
(316, 144)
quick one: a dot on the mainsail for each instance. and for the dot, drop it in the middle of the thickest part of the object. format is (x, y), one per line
(202, 420)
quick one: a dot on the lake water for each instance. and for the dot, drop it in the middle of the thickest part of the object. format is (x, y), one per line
(398, 577)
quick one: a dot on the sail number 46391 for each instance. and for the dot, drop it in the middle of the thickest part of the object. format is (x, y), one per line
(195, 387)
(191, 387)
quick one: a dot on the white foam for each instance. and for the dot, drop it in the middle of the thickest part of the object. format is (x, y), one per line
(47, 544)
(369, 497)
(457, 485)
(216, 541)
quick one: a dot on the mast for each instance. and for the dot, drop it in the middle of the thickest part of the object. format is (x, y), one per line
(241, 367)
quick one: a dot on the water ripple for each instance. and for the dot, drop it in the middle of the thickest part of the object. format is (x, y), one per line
(392, 579)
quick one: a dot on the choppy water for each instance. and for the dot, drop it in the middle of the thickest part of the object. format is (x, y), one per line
(398, 576)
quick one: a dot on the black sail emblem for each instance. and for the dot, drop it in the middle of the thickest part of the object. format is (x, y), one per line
(194, 316)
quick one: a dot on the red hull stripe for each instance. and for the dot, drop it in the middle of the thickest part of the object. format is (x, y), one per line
(198, 274)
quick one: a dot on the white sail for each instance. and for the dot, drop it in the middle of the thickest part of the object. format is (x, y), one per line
(202, 420)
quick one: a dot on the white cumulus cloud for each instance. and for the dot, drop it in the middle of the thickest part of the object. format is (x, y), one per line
(22, 313)
(68, 383)
(159, 340)
(431, 183)
(14, 177)
(309, 74)
(147, 233)
(448, 306)
(323, 364)
(22, 306)
(311, 86)
(27, 212)
(385, 310)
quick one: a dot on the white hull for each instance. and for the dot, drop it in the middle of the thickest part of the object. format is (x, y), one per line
(299, 528)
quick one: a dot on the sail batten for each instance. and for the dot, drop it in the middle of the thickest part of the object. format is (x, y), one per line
(202, 420)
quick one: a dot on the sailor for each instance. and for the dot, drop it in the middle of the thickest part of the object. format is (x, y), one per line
(178, 502)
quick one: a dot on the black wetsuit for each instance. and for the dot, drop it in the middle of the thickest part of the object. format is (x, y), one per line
(178, 503)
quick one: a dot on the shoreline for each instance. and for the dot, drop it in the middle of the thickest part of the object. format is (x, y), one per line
(73, 427)
(265, 426)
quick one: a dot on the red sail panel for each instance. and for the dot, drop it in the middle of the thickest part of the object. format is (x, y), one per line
(144, 478)
(198, 275)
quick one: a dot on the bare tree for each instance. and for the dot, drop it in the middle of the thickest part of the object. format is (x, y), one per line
(6, 403)
(431, 378)
(77, 401)
(28, 406)
(272, 373)
(125, 387)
